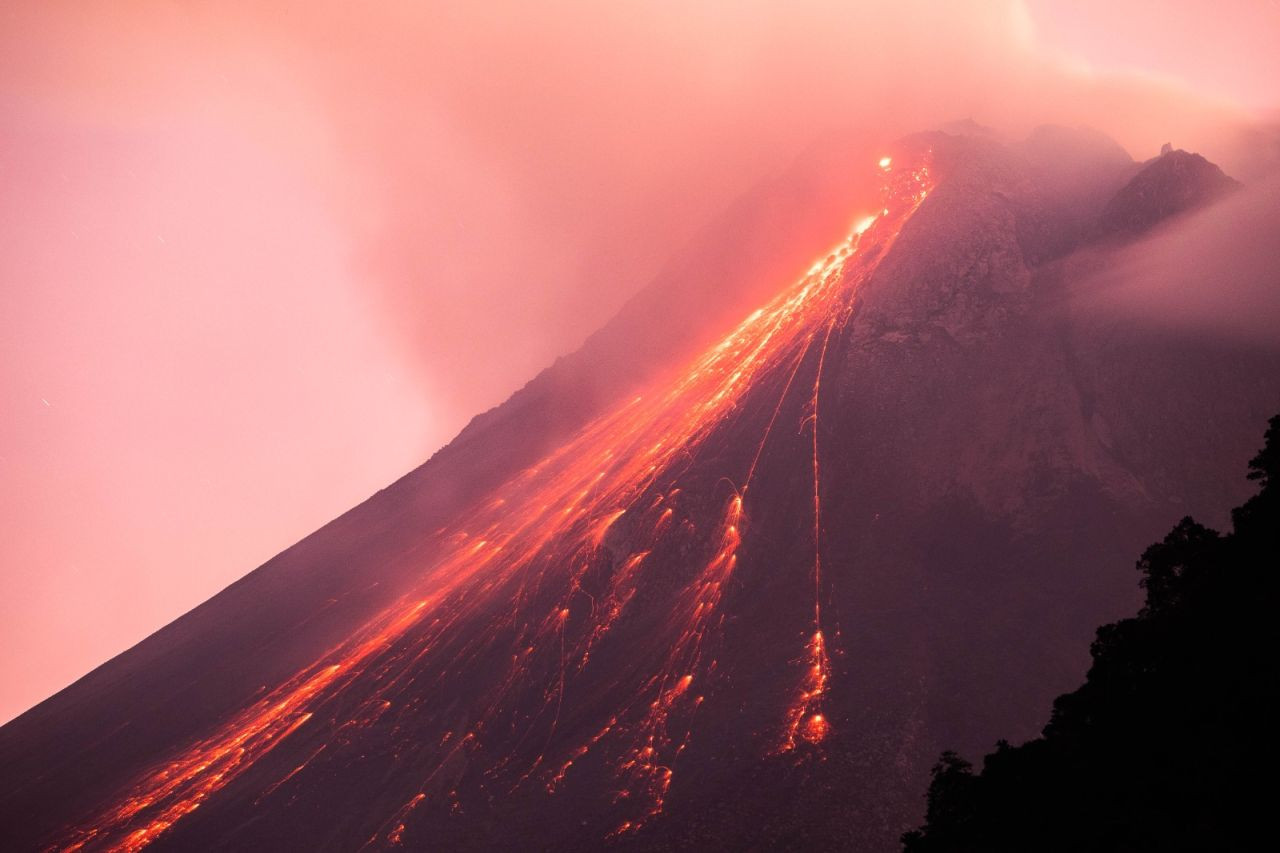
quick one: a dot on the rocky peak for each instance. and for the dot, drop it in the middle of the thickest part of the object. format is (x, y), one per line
(998, 211)
(967, 259)
(960, 251)
(1175, 182)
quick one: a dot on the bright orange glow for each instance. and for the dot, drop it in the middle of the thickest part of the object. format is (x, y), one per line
(542, 531)
(815, 728)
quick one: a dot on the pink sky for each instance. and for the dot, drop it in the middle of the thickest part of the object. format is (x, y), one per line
(256, 263)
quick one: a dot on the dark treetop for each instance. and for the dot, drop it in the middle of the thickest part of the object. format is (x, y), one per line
(1170, 744)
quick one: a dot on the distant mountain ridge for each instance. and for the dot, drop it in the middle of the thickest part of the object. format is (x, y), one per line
(1173, 183)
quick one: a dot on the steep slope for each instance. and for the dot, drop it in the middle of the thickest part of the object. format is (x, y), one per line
(1166, 746)
(743, 606)
(74, 749)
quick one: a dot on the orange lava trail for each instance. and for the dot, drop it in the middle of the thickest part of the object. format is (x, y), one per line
(519, 573)
(805, 718)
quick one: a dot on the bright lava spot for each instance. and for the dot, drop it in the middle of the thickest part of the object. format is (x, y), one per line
(815, 728)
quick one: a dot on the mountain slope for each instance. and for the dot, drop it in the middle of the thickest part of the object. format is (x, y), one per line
(75, 749)
(743, 605)
(1166, 746)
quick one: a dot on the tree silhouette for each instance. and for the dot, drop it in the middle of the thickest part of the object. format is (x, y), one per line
(1171, 743)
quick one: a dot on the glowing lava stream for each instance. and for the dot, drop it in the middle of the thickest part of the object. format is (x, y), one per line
(545, 530)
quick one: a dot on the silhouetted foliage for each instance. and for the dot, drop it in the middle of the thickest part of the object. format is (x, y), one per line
(1171, 743)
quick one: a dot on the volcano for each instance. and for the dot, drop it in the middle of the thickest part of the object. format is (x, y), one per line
(707, 583)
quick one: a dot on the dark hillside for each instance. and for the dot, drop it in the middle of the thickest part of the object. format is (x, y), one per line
(1170, 744)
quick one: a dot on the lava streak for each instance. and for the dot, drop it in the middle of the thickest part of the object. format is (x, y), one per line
(546, 568)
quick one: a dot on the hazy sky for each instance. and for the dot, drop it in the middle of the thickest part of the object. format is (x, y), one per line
(257, 260)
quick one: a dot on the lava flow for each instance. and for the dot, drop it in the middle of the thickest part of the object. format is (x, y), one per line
(524, 596)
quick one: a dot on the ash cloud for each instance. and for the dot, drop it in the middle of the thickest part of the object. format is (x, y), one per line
(509, 172)
(456, 193)
(1211, 272)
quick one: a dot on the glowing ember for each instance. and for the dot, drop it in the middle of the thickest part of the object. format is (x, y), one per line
(815, 728)
(522, 574)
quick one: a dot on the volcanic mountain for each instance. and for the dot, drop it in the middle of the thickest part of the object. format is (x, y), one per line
(707, 583)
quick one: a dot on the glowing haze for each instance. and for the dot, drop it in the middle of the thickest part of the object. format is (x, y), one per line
(257, 263)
